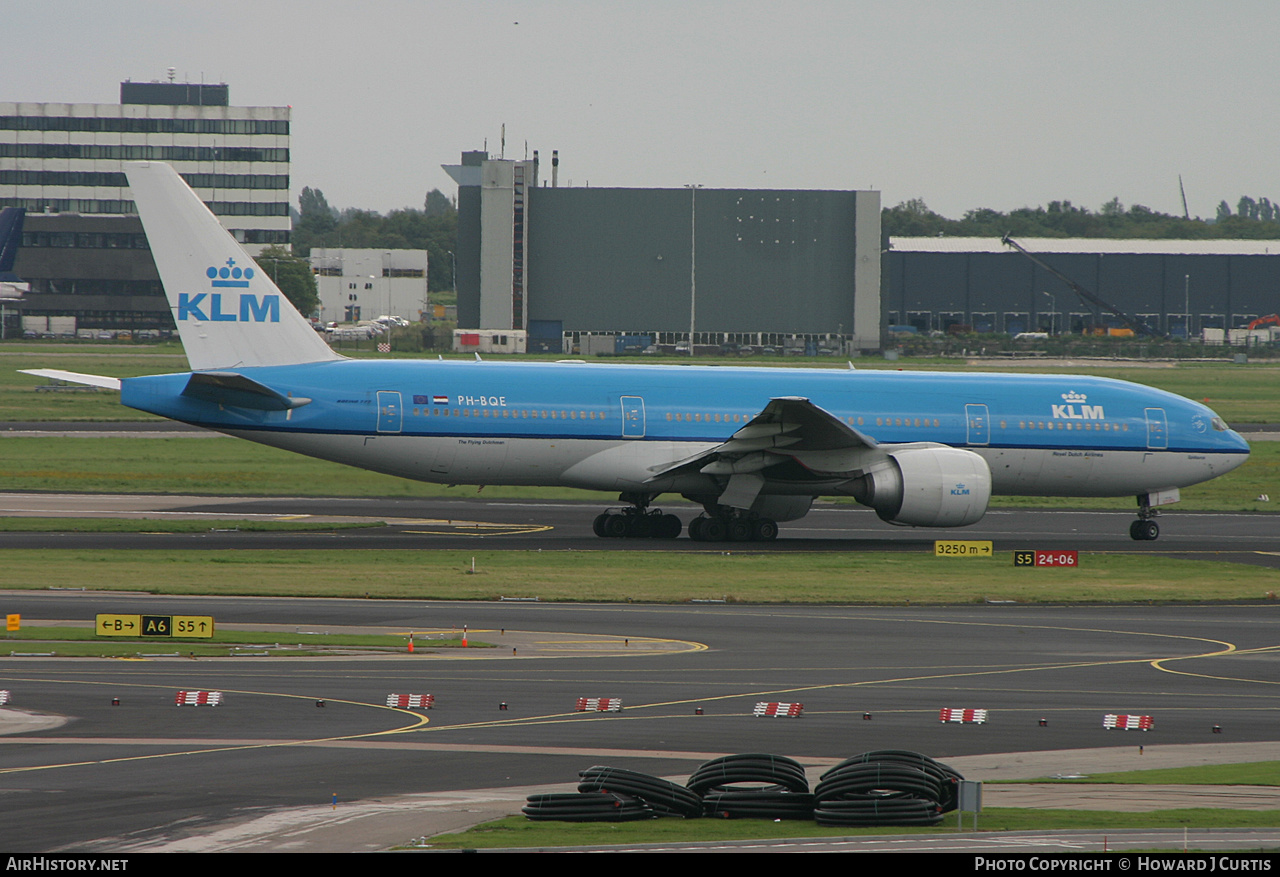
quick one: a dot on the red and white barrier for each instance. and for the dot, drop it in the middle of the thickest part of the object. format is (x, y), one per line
(411, 701)
(779, 710)
(599, 705)
(198, 698)
(966, 717)
(1128, 723)
(4, 697)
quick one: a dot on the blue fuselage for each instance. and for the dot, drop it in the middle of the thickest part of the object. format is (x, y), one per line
(1004, 417)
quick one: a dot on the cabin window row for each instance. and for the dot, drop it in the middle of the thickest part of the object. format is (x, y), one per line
(510, 413)
(699, 417)
(1088, 425)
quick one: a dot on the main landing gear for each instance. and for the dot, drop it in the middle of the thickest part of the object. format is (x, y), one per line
(1145, 529)
(724, 526)
(636, 522)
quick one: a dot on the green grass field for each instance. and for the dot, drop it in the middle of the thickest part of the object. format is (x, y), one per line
(83, 642)
(517, 831)
(1262, 773)
(874, 578)
(144, 525)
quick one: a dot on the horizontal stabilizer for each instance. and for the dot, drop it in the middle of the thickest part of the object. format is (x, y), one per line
(237, 391)
(54, 374)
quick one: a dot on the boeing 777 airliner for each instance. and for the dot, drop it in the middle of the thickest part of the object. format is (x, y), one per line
(753, 446)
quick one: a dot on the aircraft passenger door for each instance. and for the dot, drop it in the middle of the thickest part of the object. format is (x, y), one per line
(632, 417)
(390, 414)
(1157, 429)
(976, 424)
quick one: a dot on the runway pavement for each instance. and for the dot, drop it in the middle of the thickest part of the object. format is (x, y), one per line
(264, 770)
(469, 522)
(264, 766)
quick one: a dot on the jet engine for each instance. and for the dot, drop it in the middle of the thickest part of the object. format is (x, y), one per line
(927, 487)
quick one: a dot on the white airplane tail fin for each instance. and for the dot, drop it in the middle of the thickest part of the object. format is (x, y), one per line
(228, 312)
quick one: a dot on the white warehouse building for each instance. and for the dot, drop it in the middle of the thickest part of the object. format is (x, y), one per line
(357, 285)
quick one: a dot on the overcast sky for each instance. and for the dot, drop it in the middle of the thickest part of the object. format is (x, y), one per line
(983, 103)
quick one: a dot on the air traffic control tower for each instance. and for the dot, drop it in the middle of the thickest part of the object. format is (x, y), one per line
(783, 268)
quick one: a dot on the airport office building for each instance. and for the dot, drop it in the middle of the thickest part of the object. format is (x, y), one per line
(361, 285)
(83, 251)
(560, 265)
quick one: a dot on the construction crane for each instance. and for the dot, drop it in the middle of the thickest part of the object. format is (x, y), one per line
(1137, 324)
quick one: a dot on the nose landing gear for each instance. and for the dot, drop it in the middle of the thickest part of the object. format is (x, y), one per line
(1145, 529)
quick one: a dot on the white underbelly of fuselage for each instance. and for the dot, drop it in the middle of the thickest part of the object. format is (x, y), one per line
(1085, 472)
(592, 464)
(619, 464)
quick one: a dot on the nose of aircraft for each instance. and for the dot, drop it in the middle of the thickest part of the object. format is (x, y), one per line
(1237, 441)
(1234, 451)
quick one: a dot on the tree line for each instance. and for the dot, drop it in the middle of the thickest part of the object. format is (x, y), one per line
(434, 228)
(1252, 220)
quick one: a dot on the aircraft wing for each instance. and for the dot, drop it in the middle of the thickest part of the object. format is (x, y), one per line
(791, 431)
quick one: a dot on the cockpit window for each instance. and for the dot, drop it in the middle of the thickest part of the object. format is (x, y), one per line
(1220, 425)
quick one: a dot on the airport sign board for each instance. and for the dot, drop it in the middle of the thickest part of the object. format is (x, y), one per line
(156, 626)
(962, 548)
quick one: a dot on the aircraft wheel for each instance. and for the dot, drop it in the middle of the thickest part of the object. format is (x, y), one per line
(695, 529)
(615, 526)
(669, 527)
(738, 530)
(714, 530)
(597, 526)
(639, 526)
(764, 530)
(1144, 531)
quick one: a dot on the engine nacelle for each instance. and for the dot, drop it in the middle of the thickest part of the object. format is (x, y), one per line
(927, 487)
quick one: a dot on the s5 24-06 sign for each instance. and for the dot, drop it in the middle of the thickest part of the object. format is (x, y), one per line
(156, 626)
(1046, 558)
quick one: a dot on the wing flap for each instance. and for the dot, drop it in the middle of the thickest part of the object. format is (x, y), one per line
(789, 428)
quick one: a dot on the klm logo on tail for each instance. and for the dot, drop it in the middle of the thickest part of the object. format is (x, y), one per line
(249, 309)
(252, 308)
(229, 275)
